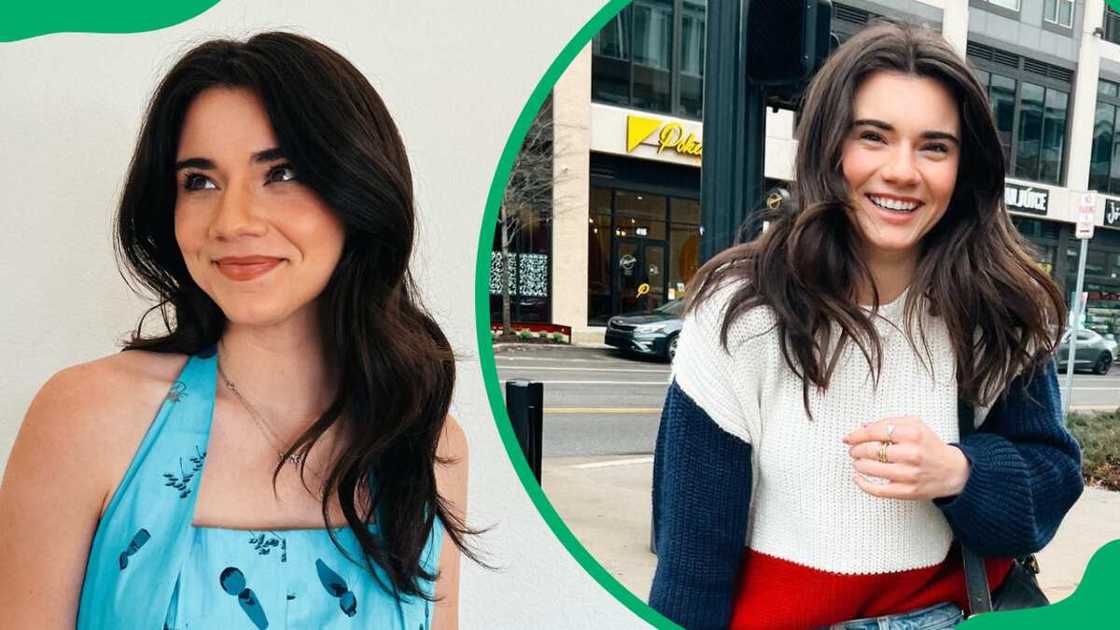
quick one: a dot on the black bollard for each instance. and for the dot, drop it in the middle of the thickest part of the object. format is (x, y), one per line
(525, 404)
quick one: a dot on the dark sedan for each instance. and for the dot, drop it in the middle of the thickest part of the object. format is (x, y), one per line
(653, 333)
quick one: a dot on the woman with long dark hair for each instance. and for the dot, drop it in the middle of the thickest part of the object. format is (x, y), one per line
(809, 469)
(301, 469)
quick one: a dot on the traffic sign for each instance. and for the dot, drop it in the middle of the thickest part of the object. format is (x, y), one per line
(1086, 215)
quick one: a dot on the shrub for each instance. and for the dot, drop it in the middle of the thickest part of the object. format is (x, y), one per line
(1099, 437)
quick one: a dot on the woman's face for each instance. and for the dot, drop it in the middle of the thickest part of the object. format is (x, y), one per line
(259, 242)
(900, 161)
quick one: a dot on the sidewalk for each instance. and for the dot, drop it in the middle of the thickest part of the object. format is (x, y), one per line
(606, 503)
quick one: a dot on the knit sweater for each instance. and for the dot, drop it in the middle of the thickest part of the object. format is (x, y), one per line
(739, 464)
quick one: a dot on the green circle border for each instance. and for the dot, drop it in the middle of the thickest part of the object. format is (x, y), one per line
(1079, 607)
(482, 313)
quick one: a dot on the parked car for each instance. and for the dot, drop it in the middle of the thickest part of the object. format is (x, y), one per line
(1094, 352)
(653, 333)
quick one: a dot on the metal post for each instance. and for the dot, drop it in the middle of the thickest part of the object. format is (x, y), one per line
(1075, 314)
(723, 170)
(525, 405)
(755, 185)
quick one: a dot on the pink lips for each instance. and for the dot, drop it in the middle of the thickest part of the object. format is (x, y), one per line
(245, 268)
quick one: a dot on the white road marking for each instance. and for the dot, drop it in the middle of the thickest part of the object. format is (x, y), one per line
(534, 368)
(616, 462)
(660, 383)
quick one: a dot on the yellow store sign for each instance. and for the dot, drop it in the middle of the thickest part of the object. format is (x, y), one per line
(670, 136)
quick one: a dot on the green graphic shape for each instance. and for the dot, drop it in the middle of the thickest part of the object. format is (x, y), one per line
(25, 19)
(1093, 605)
(1088, 607)
(482, 314)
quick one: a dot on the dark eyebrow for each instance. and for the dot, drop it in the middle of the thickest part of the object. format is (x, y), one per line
(927, 135)
(199, 163)
(267, 155)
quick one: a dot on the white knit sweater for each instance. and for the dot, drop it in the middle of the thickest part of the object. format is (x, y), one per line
(805, 508)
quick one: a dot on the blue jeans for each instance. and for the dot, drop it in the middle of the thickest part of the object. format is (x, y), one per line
(936, 617)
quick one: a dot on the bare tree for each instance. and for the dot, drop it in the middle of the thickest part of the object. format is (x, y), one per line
(527, 198)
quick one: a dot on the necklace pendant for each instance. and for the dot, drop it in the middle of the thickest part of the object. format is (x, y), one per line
(294, 458)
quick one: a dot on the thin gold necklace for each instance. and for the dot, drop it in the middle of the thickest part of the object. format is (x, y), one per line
(270, 435)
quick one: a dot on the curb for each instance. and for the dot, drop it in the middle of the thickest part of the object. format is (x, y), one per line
(504, 346)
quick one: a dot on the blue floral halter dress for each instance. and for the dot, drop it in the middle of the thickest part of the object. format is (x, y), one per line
(149, 567)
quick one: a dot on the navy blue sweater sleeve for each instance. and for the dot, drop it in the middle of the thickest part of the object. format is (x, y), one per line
(1024, 472)
(701, 494)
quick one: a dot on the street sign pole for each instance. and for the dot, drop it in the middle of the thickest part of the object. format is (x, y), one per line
(1086, 214)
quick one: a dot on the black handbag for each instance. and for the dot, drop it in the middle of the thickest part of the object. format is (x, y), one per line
(1020, 588)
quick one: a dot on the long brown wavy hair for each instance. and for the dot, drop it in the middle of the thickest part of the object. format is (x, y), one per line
(395, 368)
(1002, 310)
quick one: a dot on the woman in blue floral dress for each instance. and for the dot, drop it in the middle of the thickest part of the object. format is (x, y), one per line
(301, 469)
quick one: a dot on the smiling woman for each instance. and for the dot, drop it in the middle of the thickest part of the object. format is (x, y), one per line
(826, 373)
(242, 213)
(301, 468)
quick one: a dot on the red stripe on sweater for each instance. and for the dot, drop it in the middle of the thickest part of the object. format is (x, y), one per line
(777, 594)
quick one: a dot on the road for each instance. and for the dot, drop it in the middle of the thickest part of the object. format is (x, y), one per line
(598, 402)
(601, 416)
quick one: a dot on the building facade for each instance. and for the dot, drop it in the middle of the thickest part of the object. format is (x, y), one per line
(622, 233)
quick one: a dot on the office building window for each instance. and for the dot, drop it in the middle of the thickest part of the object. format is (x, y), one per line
(652, 44)
(1030, 105)
(1111, 25)
(1058, 12)
(691, 75)
(651, 56)
(1011, 5)
(1104, 161)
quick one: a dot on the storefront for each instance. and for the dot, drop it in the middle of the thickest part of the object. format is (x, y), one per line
(1034, 215)
(1102, 272)
(643, 235)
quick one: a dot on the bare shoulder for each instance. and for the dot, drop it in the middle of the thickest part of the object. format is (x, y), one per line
(96, 413)
(452, 467)
(73, 447)
(452, 441)
(89, 395)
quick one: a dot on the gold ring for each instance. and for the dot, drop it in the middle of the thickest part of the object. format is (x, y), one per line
(890, 432)
(883, 452)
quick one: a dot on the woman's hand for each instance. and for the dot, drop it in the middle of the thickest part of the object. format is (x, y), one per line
(918, 466)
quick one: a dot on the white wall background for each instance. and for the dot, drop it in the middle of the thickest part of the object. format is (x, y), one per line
(454, 75)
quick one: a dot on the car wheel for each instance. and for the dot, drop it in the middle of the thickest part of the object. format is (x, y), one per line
(1103, 364)
(671, 351)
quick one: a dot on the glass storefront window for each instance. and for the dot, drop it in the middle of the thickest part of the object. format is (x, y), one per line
(639, 215)
(638, 238)
(684, 243)
(599, 255)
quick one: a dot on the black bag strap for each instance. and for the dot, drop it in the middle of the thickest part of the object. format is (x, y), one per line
(975, 574)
